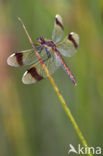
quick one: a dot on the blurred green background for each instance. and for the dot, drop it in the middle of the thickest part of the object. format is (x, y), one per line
(32, 120)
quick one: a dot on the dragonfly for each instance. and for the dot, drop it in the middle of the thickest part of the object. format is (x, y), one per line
(51, 52)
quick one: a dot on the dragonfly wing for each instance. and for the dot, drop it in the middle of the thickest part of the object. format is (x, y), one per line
(68, 47)
(25, 57)
(37, 73)
(58, 30)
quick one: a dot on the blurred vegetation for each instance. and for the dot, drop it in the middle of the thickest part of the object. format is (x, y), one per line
(32, 121)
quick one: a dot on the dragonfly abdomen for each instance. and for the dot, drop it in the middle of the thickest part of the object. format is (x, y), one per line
(65, 66)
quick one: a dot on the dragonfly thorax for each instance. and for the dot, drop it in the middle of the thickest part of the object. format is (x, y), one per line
(50, 43)
(46, 43)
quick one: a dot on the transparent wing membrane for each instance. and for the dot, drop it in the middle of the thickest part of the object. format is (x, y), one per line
(68, 47)
(58, 30)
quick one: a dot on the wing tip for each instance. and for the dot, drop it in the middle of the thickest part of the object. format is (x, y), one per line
(59, 21)
(74, 38)
(27, 78)
(23, 78)
(57, 16)
(10, 61)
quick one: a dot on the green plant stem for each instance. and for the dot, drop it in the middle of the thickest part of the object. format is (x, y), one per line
(66, 108)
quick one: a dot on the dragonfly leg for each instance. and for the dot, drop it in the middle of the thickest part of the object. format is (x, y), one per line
(48, 54)
(40, 50)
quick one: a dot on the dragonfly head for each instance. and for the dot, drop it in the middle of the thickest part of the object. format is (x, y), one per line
(40, 40)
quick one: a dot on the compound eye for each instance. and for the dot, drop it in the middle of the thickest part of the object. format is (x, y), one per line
(38, 40)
